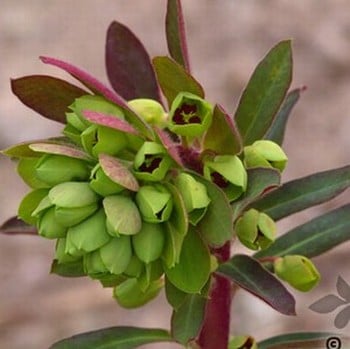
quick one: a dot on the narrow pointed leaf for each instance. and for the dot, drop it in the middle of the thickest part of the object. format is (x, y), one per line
(277, 130)
(174, 79)
(264, 93)
(314, 237)
(128, 64)
(327, 304)
(109, 121)
(299, 340)
(343, 318)
(187, 320)
(101, 89)
(305, 192)
(343, 288)
(175, 33)
(260, 181)
(48, 96)
(114, 337)
(60, 149)
(249, 274)
(222, 136)
(15, 226)
(217, 225)
(70, 269)
(169, 145)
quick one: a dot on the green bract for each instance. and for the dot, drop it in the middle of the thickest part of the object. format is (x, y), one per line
(255, 229)
(298, 271)
(228, 172)
(265, 153)
(242, 342)
(102, 184)
(190, 115)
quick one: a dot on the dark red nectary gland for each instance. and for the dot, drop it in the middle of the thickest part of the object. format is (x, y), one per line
(186, 109)
(219, 180)
(189, 108)
(152, 165)
(195, 120)
(178, 117)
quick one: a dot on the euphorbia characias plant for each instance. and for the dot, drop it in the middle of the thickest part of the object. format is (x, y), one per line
(151, 183)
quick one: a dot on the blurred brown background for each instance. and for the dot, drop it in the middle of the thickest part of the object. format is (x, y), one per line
(226, 38)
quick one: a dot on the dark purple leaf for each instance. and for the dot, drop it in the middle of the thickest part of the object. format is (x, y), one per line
(327, 304)
(175, 33)
(129, 66)
(109, 121)
(343, 288)
(99, 88)
(173, 79)
(249, 274)
(342, 318)
(15, 226)
(48, 96)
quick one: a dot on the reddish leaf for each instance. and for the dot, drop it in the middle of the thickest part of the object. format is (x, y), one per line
(14, 226)
(60, 149)
(169, 145)
(128, 64)
(109, 121)
(249, 274)
(175, 33)
(48, 96)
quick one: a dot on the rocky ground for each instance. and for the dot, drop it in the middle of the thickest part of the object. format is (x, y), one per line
(227, 38)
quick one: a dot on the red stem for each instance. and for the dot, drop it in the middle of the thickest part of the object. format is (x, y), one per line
(215, 330)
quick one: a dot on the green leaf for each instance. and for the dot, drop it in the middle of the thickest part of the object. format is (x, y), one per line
(216, 226)
(29, 203)
(174, 79)
(114, 338)
(260, 180)
(302, 340)
(48, 96)
(14, 226)
(187, 320)
(249, 274)
(70, 269)
(314, 237)
(277, 130)
(305, 192)
(264, 93)
(193, 270)
(174, 296)
(128, 64)
(175, 33)
(222, 136)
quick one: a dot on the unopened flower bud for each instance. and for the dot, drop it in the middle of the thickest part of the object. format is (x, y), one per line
(116, 254)
(298, 271)
(255, 229)
(227, 172)
(88, 235)
(49, 226)
(265, 153)
(155, 203)
(190, 115)
(149, 242)
(151, 162)
(123, 216)
(60, 252)
(102, 184)
(194, 195)
(93, 264)
(150, 110)
(242, 342)
(68, 216)
(134, 268)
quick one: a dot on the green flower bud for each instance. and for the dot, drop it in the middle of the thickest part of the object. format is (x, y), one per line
(93, 264)
(98, 139)
(55, 169)
(71, 216)
(152, 271)
(134, 268)
(190, 115)
(265, 153)
(151, 162)
(60, 253)
(116, 254)
(26, 168)
(72, 195)
(150, 110)
(298, 271)
(227, 172)
(255, 229)
(155, 203)
(102, 184)
(49, 226)
(149, 242)
(44, 204)
(242, 342)
(123, 216)
(194, 195)
(88, 235)
(129, 294)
